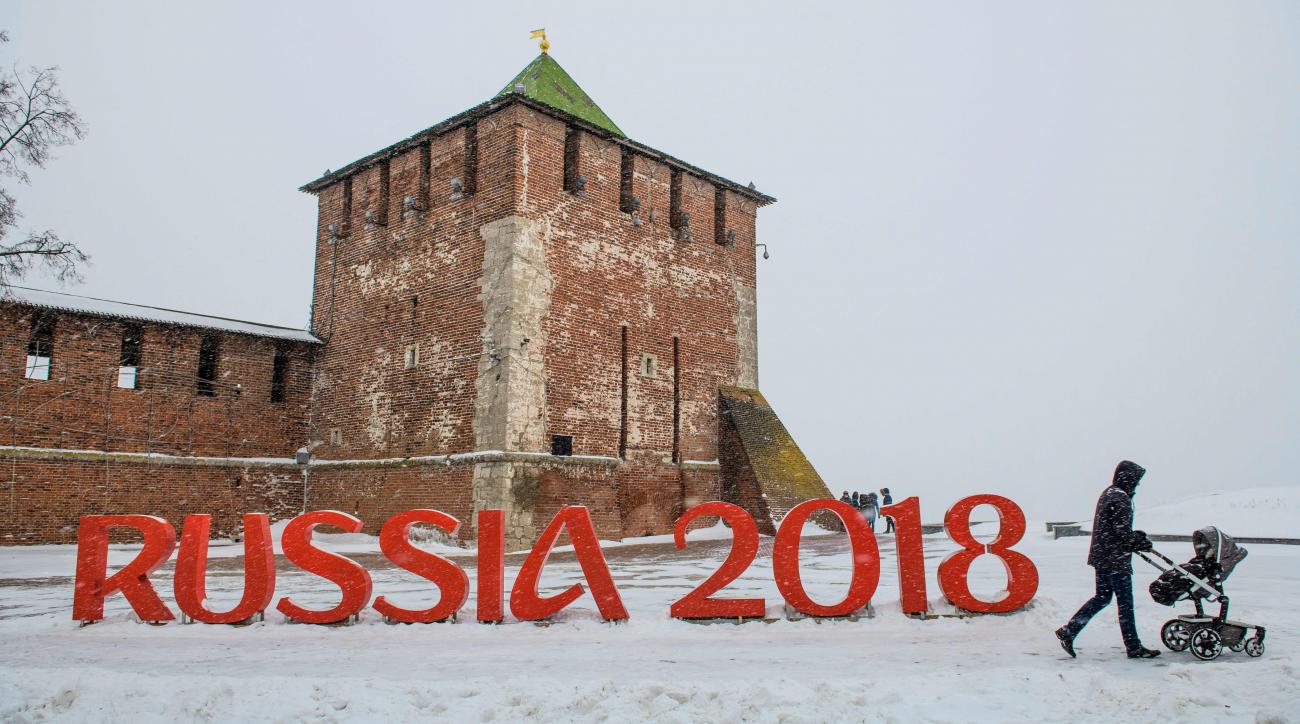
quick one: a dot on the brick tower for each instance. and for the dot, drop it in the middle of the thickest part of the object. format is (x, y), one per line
(522, 308)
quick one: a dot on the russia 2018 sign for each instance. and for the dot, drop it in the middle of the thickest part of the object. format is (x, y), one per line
(93, 583)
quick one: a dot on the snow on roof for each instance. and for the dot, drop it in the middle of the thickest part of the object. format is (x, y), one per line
(125, 310)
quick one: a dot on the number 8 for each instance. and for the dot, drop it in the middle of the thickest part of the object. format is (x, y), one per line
(1022, 576)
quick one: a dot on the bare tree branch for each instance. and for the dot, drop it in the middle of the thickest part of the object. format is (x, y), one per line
(35, 118)
(61, 258)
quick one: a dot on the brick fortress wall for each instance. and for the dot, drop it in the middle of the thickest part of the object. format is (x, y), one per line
(505, 279)
(534, 308)
(78, 444)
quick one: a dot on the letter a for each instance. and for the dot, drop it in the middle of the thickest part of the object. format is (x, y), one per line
(527, 605)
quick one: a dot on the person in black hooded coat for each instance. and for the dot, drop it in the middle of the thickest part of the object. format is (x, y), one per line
(1113, 543)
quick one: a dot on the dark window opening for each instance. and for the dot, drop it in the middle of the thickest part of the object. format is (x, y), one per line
(40, 348)
(720, 217)
(128, 364)
(347, 207)
(679, 220)
(278, 365)
(677, 401)
(471, 159)
(622, 424)
(379, 217)
(426, 168)
(208, 350)
(561, 444)
(573, 182)
(626, 170)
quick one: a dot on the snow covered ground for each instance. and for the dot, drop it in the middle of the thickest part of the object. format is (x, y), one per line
(887, 667)
(1265, 512)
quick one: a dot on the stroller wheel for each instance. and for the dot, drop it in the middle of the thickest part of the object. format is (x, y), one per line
(1241, 644)
(1206, 644)
(1255, 647)
(1175, 635)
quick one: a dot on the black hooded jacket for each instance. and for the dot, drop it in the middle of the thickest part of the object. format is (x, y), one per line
(1113, 539)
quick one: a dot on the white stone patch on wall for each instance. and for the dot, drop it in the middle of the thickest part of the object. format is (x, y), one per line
(372, 280)
(746, 335)
(510, 399)
(492, 486)
(516, 295)
(374, 390)
(441, 427)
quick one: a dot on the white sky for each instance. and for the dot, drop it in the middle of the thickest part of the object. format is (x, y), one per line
(1015, 242)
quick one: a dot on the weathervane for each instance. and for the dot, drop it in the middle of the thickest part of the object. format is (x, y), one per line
(545, 44)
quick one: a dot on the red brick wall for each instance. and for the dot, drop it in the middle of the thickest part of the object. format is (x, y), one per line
(43, 499)
(413, 278)
(560, 485)
(81, 408)
(608, 273)
(376, 494)
(413, 281)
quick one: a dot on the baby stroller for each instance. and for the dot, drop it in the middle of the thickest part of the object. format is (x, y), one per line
(1202, 579)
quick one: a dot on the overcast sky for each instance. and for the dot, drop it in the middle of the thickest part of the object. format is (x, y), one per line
(1014, 242)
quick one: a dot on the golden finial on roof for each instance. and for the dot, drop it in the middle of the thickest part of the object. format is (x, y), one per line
(545, 44)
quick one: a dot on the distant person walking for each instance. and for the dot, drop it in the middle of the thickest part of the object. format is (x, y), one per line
(887, 500)
(1113, 543)
(845, 498)
(870, 508)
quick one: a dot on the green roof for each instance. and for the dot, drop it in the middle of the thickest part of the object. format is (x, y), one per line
(545, 81)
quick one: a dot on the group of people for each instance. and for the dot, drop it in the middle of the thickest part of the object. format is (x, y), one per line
(868, 506)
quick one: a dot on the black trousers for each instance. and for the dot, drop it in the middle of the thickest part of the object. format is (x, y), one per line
(1116, 584)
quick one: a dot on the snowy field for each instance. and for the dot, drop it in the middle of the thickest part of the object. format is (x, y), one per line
(887, 667)
(1264, 512)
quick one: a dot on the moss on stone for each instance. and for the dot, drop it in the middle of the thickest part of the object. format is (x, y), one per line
(784, 474)
(545, 81)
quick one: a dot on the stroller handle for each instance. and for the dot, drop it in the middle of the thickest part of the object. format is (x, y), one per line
(1157, 554)
(1214, 595)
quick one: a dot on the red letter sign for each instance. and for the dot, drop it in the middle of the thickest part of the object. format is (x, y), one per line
(133, 580)
(1022, 576)
(348, 575)
(744, 546)
(450, 579)
(491, 565)
(192, 564)
(866, 559)
(527, 605)
(911, 555)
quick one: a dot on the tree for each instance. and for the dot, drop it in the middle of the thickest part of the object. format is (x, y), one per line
(34, 119)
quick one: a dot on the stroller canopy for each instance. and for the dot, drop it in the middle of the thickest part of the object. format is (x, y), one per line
(1212, 545)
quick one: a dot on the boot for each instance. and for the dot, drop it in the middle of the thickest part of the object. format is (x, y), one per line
(1142, 652)
(1067, 641)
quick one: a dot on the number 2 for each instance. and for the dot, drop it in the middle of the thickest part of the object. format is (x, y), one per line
(744, 546)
